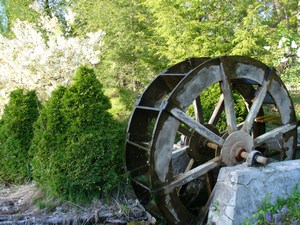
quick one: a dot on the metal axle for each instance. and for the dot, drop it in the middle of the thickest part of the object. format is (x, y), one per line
(254, 157)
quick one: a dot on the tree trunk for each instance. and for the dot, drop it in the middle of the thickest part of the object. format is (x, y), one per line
(47, 8)
(298, 18)
(277, 7)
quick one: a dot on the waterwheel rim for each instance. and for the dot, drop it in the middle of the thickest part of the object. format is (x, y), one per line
(172, 170)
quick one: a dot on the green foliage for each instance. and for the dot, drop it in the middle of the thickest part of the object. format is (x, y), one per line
(77, 145)
(122, 103)
(291, 76)
(251, 34)
(288, 63)
(129, 61)
(16, 133)
(209, 99)
(19, 9)
(27, 10)
(194, 29)
(213, 28)
(144, 36)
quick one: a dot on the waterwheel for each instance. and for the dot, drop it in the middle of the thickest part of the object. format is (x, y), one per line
(198, 116)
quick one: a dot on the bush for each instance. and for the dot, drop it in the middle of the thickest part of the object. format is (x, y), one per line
(77, 145)
(16, 133)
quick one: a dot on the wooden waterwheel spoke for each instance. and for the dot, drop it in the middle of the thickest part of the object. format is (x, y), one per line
(273, 133)
(260, 95)
(217, 111)
(228, 100)
(190, 175)
(194, 125)
(198, 110)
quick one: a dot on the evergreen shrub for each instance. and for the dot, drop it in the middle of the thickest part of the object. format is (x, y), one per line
(16, 133)
(78, 145)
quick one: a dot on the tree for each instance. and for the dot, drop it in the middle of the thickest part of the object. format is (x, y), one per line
(29, 10)
(193, 28)
(252, 34)
(129, 60)
(55, 8)
(16, 133)
(298, 18)
(44, 57)
(19, 9)
(144, 36)
(77, 144)
(212, 28)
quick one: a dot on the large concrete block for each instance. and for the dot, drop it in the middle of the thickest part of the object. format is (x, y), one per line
(240, 191)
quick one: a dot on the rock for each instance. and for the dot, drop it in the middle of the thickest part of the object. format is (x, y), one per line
(241, 191)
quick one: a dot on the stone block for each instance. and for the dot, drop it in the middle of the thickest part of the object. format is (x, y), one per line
(241, 191)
